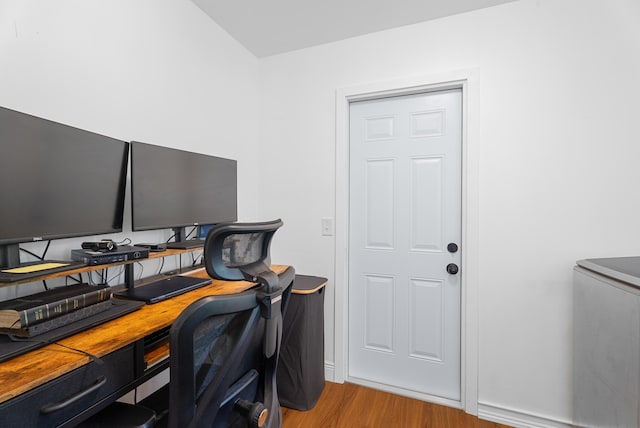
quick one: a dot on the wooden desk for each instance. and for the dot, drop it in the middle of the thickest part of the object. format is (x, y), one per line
(120, 339)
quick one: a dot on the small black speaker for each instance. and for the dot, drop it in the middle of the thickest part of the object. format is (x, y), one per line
(104, 245)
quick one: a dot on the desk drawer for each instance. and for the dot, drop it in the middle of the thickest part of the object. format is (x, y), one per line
(37, 408)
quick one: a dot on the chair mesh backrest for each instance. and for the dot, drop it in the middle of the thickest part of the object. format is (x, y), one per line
(243, 249)
(213, 342)
(238, 251)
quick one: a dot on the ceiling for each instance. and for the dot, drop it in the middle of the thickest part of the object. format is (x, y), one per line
(269, 27)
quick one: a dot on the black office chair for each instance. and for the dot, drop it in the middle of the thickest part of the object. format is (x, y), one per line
(224, 349)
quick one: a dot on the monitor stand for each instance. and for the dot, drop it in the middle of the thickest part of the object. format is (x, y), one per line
(9, 255)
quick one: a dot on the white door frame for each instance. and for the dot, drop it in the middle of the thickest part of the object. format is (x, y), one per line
(467, 80)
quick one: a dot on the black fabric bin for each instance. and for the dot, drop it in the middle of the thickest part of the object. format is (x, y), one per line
(300, 375)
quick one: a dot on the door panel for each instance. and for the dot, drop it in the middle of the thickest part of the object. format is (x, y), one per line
(425, 335)
(380, 196)
(405, 193)
(380, 313)
(426, 203)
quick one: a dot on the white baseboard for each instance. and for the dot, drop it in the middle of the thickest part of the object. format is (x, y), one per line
(329, 371)
(518, 419)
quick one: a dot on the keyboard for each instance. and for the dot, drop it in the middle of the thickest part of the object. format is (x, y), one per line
(30, 270)
(163, 289)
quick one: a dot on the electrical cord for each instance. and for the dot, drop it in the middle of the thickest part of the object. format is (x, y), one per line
(115, 276)
(186, 237)
(125, 241)
(14, 338)
(90, 275)
(78, 281)
(191, 233)
(141, 270)
(161, 266)
(197, 260)
(24, 250)
(31, 253)
(44, 253)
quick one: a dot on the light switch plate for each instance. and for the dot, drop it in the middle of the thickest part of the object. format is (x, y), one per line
(327, 226)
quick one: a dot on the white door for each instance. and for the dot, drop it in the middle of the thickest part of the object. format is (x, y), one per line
(404, 242)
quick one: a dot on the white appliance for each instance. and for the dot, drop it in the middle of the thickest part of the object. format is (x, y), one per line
(606, 314)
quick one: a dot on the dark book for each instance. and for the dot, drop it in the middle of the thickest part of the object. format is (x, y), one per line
(27, 311)
(57, 322)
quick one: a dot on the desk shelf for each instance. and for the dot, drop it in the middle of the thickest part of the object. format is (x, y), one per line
(129, 277)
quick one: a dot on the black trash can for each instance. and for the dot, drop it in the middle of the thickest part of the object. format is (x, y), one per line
(300, 375)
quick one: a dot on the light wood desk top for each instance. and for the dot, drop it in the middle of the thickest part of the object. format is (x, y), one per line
(28, 371)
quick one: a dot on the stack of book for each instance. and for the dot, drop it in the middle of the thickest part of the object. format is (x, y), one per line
(38, 313)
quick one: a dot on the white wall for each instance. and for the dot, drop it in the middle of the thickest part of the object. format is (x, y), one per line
(558, 169)
(155, 71)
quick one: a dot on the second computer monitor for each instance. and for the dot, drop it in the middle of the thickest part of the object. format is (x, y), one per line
(172, 188)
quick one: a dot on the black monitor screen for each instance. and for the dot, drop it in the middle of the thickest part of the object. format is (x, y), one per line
(173, 188)
(57, 181)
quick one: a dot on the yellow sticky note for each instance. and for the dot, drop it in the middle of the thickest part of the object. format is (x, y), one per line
(35, 268)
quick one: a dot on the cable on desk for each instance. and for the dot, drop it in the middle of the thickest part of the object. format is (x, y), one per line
(51, 342)
(190, 233)
(65, 402)
(185, 238)
(115, 276)
(125, 241)
(139, 263)
(99, 272)
(78, 281)
(197, 260)
(161, 266)
(44, 253)
(41, 258)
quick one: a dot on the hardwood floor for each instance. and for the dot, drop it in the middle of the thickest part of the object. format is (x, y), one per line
(348, 405)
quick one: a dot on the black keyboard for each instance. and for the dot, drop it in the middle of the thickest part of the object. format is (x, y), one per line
(163, 289)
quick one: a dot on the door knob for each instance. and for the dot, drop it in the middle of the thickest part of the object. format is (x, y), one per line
(452, 268)
(452, 247)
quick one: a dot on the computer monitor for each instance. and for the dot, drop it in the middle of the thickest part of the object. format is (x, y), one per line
(174, 189)
(56, 181)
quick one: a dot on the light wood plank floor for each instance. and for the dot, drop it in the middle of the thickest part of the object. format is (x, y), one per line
(353, 406)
